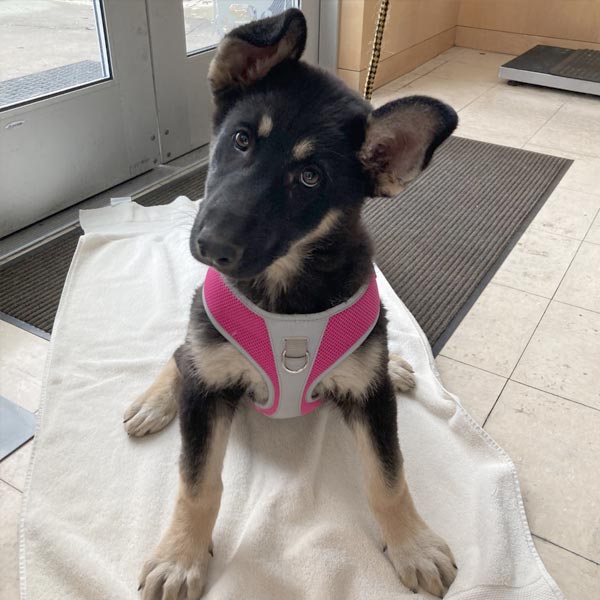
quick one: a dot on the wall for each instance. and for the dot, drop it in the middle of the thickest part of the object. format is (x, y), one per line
(416, 31)
(514, 26)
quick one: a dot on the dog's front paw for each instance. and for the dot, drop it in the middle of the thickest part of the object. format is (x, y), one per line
(168, 576)
(151, 412)
(424, 561)
(402, 374)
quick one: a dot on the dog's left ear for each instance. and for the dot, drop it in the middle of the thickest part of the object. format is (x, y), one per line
(400, 140)
(249, 52)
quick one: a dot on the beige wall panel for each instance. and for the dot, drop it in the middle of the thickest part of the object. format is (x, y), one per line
(416, 31)
(350, 34)
(409, 22)
(511, 43)
(371, 8)
(411, 58)
(562, 19)
(350, 78)
(500, 15)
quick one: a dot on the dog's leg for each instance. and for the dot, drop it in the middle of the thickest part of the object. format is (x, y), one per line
(402, 373)
(420, 557)
(177, 569)
(157, 406)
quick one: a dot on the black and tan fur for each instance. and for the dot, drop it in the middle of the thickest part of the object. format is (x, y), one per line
(294, 155)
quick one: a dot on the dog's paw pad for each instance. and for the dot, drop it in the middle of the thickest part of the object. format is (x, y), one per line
(171, 580)
(424, 561)
(148, 415)
(402, 374)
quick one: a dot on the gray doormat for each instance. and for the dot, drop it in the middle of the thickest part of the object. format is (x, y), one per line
(31, 284)
(436, 242)
(51, 81)
(443, 238)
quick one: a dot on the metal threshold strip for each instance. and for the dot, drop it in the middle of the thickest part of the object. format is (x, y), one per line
(54, 226)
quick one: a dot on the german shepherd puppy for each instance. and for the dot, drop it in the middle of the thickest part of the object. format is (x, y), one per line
(294, 154)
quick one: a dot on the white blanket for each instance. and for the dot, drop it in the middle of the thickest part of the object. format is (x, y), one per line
(294, 521)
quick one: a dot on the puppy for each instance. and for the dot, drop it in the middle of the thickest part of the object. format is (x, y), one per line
(294, 154)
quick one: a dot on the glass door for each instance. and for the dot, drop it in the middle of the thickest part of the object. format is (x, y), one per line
(184, 34)
(77, 106)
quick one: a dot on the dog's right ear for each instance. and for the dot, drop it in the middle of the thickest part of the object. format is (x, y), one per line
(249, 52)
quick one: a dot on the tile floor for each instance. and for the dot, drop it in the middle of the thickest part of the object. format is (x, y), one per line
(526, 359)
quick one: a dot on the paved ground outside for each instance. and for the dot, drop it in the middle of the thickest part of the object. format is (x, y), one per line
(38, 35)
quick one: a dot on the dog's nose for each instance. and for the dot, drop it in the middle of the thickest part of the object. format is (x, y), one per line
(221, 254)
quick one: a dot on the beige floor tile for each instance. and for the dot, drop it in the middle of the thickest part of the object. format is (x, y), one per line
(537, 263)
(21, 390)
(563, 356)
(488, 136)
(554, 444)
(476, 389)
(457, 95)
(555, 152)
(13, 469)
(402, 81)
(585, 99)
(593, 235)
(456, 70)
(22, 360)
(454, 52)
(430, 65)
(576, 127)
(505, 116)
(538, 91)
(568, 213)
(492, 60)
(577, 578)
(10, 507)
(495, 331)
(396, 84)
(384, 96)
(582, 176)
(581, 285)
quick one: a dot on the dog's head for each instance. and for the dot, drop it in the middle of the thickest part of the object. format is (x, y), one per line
(293, 148)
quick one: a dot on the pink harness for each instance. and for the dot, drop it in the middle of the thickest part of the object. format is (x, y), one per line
(291, 352)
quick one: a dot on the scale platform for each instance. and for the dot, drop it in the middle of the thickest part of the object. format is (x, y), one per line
(561, 68)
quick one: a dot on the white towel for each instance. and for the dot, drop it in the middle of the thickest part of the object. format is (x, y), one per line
(294, 521)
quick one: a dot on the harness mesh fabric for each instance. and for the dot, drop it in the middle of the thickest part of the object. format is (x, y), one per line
(344, 331)
(247, 329)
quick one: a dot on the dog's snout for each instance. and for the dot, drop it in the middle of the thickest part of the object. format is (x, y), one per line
(220, 253)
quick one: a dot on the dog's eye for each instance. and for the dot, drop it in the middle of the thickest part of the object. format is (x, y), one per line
(242, 141)
(310, 178)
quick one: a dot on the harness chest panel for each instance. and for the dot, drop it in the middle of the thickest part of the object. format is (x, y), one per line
(291, 352)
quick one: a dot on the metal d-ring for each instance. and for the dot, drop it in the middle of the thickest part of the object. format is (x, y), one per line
(284, 356)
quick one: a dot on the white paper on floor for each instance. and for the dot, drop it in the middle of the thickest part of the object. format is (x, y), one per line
(294, 521)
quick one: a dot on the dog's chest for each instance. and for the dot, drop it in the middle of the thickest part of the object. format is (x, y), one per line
(223, 365)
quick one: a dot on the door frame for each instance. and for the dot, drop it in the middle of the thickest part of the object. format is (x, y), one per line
(59, 150)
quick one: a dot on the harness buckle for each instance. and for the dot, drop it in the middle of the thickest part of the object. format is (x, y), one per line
(295, 356)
